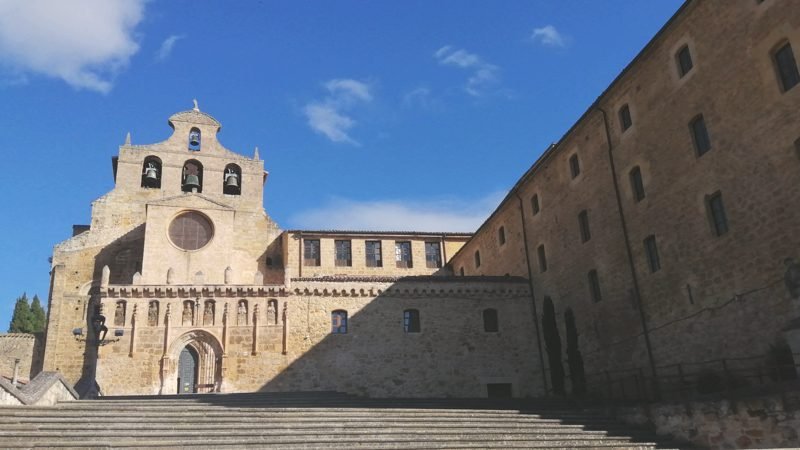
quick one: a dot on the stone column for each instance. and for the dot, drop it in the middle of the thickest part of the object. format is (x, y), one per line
(255, 329)
(284, 341)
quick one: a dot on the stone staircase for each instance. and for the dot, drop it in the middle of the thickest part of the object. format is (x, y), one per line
(312, 420)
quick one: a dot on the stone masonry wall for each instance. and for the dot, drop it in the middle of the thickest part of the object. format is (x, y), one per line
(25, 347)
(451, 356)
(712, 296)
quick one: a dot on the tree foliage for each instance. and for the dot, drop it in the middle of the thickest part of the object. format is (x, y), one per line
(552, 342)
(27, 318)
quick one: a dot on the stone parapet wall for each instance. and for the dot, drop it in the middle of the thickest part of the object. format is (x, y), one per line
(766, 421)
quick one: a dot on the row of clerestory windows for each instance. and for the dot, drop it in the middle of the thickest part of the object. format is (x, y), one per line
(191, 176)
(411, 321)
(373, 253)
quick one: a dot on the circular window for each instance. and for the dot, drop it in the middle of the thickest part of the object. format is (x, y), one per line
(191, 231)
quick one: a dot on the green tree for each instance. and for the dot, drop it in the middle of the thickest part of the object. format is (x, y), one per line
(38, 317)
(22, 318)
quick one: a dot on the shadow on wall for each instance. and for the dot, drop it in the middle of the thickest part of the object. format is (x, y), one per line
(342, 344)
(124, 259)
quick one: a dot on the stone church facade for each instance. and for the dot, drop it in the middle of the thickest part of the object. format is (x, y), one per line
(665, 220)
(202, 292)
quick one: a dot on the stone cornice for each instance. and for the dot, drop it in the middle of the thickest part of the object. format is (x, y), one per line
(189, 291)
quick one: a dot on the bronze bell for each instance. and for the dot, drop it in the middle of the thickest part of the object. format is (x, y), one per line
(151, 175)
(232, 180)
(231, 183)
(194, 138)
(191, 182)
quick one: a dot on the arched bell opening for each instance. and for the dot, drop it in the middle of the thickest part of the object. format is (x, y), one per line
(151, 172)
(232, 180)
(192, 180)
(194, 140)
(193, 363)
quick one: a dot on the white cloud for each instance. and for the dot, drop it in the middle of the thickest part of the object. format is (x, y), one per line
(548, 36)
(328, 116)
(83, 42)
(166, 47)
(324, 119)
(455, 215)
(484, 75)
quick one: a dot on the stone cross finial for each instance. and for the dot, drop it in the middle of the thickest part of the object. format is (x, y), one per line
(196, 108)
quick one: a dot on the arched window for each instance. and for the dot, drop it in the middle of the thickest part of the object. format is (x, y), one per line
(152, 313)
(490, 323)
(272, 312)
(232, 180)
(119, 314)
(192, 179)
(194, 140)
(411, 321)
(339, 322)
(151, 173)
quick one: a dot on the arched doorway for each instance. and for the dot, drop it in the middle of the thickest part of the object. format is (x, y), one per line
(193, 363)
(187, 371)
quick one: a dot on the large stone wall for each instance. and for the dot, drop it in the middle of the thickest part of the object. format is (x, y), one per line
(452, 355)
(714, 296)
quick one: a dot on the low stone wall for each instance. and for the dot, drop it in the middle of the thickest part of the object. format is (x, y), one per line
(25, 347)
(762, 421)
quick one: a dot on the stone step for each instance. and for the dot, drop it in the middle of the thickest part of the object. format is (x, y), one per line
(203, 438)
(142, 444)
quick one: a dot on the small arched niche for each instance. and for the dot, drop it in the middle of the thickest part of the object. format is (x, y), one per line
(192, 179)
(232, 180)
(194, 139)
(151, 172)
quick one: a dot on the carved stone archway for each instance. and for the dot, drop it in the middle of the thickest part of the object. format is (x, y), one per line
(209, 366)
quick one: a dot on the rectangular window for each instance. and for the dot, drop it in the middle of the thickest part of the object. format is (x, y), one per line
(787, 67)
(637, 184)
(411, 322)
(719, 220)
(477, 258)
(651, 250)
(702, 143)
(402, 254)
(373, 253)
(684, 58)
(594, 286)
(625, 117)
(542, 259)
(339, 322)
(461, 271)
(311, 252)
(574, 166)
(501, 235)
(433, 255)
(344, 254)
(583, 222)
(535, 204)
(490, 322)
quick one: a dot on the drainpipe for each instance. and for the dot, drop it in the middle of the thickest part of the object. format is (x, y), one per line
(533, 296)
(636, 291)
(300, 256)
(444, 253)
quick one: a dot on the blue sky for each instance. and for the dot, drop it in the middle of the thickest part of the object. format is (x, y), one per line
(414, 115)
